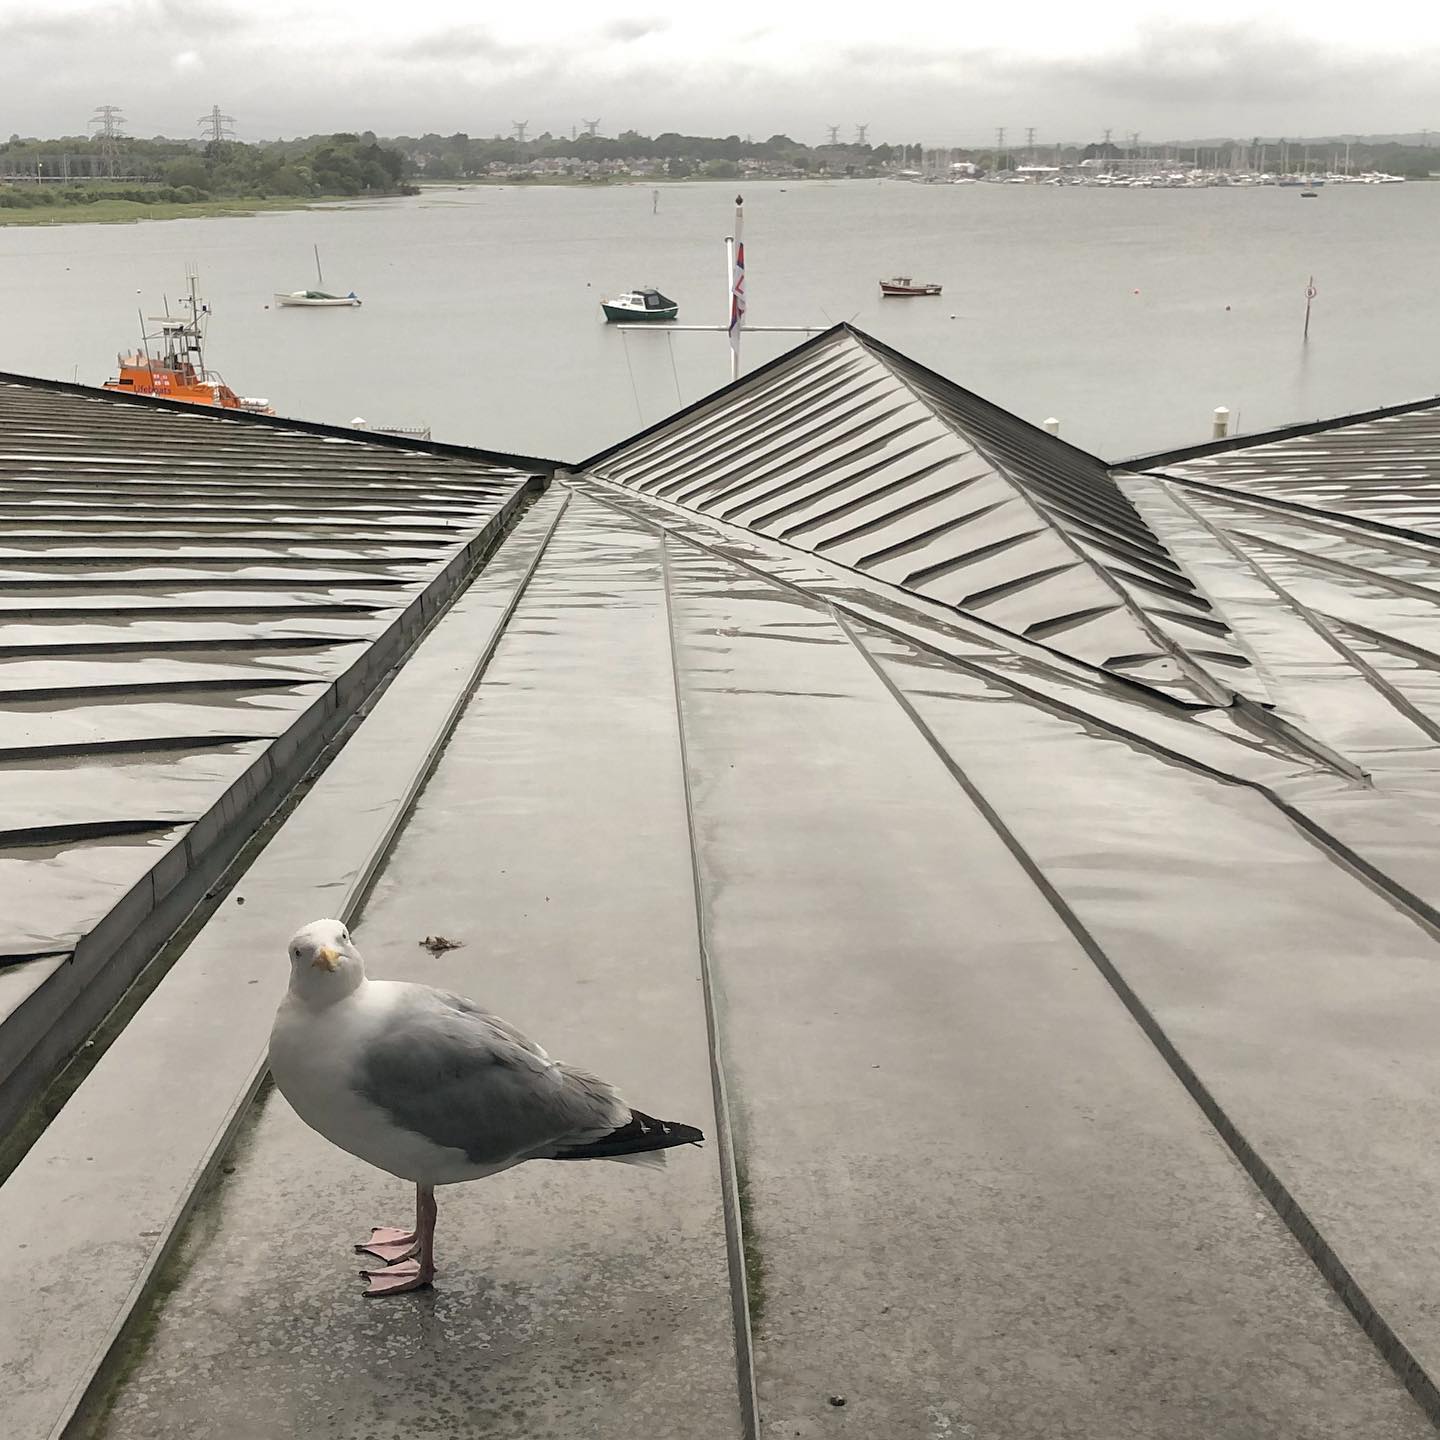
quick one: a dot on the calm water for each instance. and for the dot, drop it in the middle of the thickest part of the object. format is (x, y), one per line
(1107, 309)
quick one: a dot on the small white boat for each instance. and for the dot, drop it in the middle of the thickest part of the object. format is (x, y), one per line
(316, 297)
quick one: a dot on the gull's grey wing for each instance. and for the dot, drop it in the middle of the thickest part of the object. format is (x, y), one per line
(467, 1080)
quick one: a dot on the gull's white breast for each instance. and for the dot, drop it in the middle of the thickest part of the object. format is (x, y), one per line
(314, 1057)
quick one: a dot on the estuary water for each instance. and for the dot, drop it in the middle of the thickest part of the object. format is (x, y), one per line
(1129, 315)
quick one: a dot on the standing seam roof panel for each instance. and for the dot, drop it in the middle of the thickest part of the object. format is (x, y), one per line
(848, 449)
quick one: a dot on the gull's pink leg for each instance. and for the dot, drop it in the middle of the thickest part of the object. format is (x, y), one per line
(415, 1274)
(390, 1244)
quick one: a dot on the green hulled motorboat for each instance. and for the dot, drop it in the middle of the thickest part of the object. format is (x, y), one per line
(639, 305)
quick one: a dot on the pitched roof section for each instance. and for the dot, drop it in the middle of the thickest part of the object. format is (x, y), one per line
(186, 601)
(1341, 524)
(1000, 890)
(1385, 470)
(851, 451)
(1333, 604)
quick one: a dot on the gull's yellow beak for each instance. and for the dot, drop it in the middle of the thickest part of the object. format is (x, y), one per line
(326, 958)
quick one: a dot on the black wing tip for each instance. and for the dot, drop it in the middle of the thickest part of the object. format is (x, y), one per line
(638, 1134)
(674, 1132)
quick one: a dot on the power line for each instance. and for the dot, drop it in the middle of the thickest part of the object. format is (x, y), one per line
(108, 119)
(218, 125)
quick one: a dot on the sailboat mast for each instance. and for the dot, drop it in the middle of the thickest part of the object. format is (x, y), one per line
(319, 277)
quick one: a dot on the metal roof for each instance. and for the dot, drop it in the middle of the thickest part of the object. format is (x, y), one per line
(1019, 980)
(178, 592)
(1323, 550)
(852, 451)
(1384, 469)
(1003, 953)
(1323, 612)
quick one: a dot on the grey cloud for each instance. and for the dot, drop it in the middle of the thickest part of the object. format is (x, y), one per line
(132, 21)
(459, 44)
(188, 18)
(635, 28)
(464, 42)
(28, 29)
(1176, 64)
(1167, 81)
(902, 63)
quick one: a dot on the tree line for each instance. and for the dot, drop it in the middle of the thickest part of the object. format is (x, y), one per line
(35, 172)
(460, 156)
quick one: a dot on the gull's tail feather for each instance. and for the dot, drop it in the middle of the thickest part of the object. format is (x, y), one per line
(646, 1159)
(635, 1142)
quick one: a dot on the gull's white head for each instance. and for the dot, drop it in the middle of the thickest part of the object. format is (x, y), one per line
(324, 963)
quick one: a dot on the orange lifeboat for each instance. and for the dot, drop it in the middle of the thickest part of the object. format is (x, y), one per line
(175, 370)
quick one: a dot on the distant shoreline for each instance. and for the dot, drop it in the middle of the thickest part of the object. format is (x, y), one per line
(616, 182)
(124, 212)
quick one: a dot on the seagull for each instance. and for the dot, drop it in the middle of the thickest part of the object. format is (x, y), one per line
(431, 1088)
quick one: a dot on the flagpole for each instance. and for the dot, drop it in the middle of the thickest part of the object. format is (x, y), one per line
(735, 253)
(730, 306)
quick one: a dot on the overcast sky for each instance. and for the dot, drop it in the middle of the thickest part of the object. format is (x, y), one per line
(933, 72)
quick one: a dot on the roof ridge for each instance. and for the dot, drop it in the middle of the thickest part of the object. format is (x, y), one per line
(1214, 689)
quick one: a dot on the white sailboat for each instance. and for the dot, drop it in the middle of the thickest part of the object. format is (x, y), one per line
(317, 297)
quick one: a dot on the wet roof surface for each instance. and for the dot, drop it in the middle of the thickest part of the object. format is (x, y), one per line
(1047, 986)
(939, 876)
(1323, 551)
(1385, 470)
(852, 451)
(175, 589)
